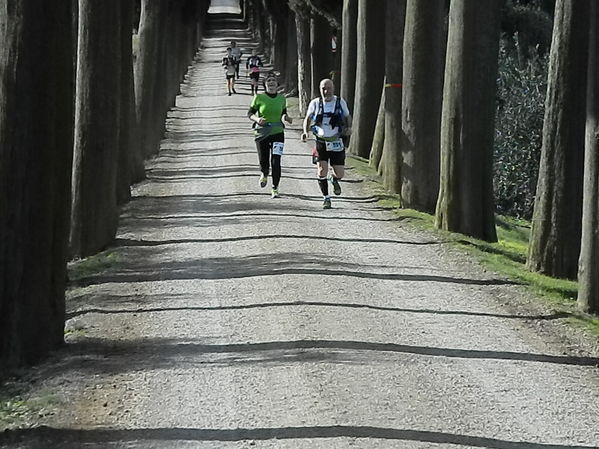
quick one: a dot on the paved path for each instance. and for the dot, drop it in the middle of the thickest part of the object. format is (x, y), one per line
(225, 319)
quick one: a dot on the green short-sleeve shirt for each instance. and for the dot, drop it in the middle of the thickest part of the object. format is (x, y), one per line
(271, 109)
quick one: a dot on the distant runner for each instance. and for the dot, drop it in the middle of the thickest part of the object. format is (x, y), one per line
(252, 65)
(267, 112)
(236, 53)
(329, 119)
(229, 66)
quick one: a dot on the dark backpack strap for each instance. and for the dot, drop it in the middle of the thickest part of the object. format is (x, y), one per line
(319, 112)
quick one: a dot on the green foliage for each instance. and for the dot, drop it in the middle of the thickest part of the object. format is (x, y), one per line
(521, 89)
(19, 409)
(93, 265)
(13, 410)
(531, 21)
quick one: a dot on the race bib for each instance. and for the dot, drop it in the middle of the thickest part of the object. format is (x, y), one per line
(277, 148)
(335, 145)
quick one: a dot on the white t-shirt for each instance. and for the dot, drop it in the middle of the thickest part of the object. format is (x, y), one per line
(325, 129)
(236, 53)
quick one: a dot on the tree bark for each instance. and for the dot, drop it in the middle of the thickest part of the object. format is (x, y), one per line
(146, 76)
(130, 131)
(97, 110)
(556, 225)
(348, 51)
(128, 155)
(465, 202)
(378, 141)
(390, 165)
(423, 64)
(304, 71)
(291, 75)
(320, 52)
(277, 14)
(370, 72)
(588, 266)
(36, 137)
(281, 35)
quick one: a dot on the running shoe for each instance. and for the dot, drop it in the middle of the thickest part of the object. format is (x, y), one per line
(263, 180)
(327, 203)
(336, 186)
(274, 193)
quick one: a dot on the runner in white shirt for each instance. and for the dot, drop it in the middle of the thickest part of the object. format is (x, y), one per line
(329, 119)
(236, 53)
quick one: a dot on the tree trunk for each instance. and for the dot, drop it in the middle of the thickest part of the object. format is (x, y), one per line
(588, 266)
(336, 76)
(465, 202)
(556, 225)
(36, 138)
(97, 110)
(146, 76)
(281, 36)
(291, 75)
(268, 40)
(303, 61)
(277, 13)
(378, 141)
(260, 29)
(129, 122)
(320, 51)
(370, 72)
(421, 120)
(128, 155)
(390, 165)
(348, 51)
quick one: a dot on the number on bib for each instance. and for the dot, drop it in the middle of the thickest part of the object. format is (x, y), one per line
(335, 145)
(277, 148)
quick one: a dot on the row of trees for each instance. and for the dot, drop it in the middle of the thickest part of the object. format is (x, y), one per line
(420, 78)
(79, 112)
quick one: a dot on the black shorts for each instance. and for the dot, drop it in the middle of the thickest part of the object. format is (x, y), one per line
(230, 77)
(333, 157)
(255, 76)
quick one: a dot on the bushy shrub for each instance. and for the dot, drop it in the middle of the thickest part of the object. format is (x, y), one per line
(521, 90)
(529, 24)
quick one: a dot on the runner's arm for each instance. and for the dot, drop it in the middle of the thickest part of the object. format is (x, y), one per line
(286, 116)
(254, 117)
(305, 126)
(308, 119)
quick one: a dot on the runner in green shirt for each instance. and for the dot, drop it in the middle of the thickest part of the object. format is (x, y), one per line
(267, 111)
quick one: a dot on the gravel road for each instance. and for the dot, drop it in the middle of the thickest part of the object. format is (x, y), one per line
(226, 319)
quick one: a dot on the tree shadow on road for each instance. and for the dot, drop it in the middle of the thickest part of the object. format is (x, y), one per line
(143, 264)
(89, 303)
(144, 242)
(142, 437)
(95, 356)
